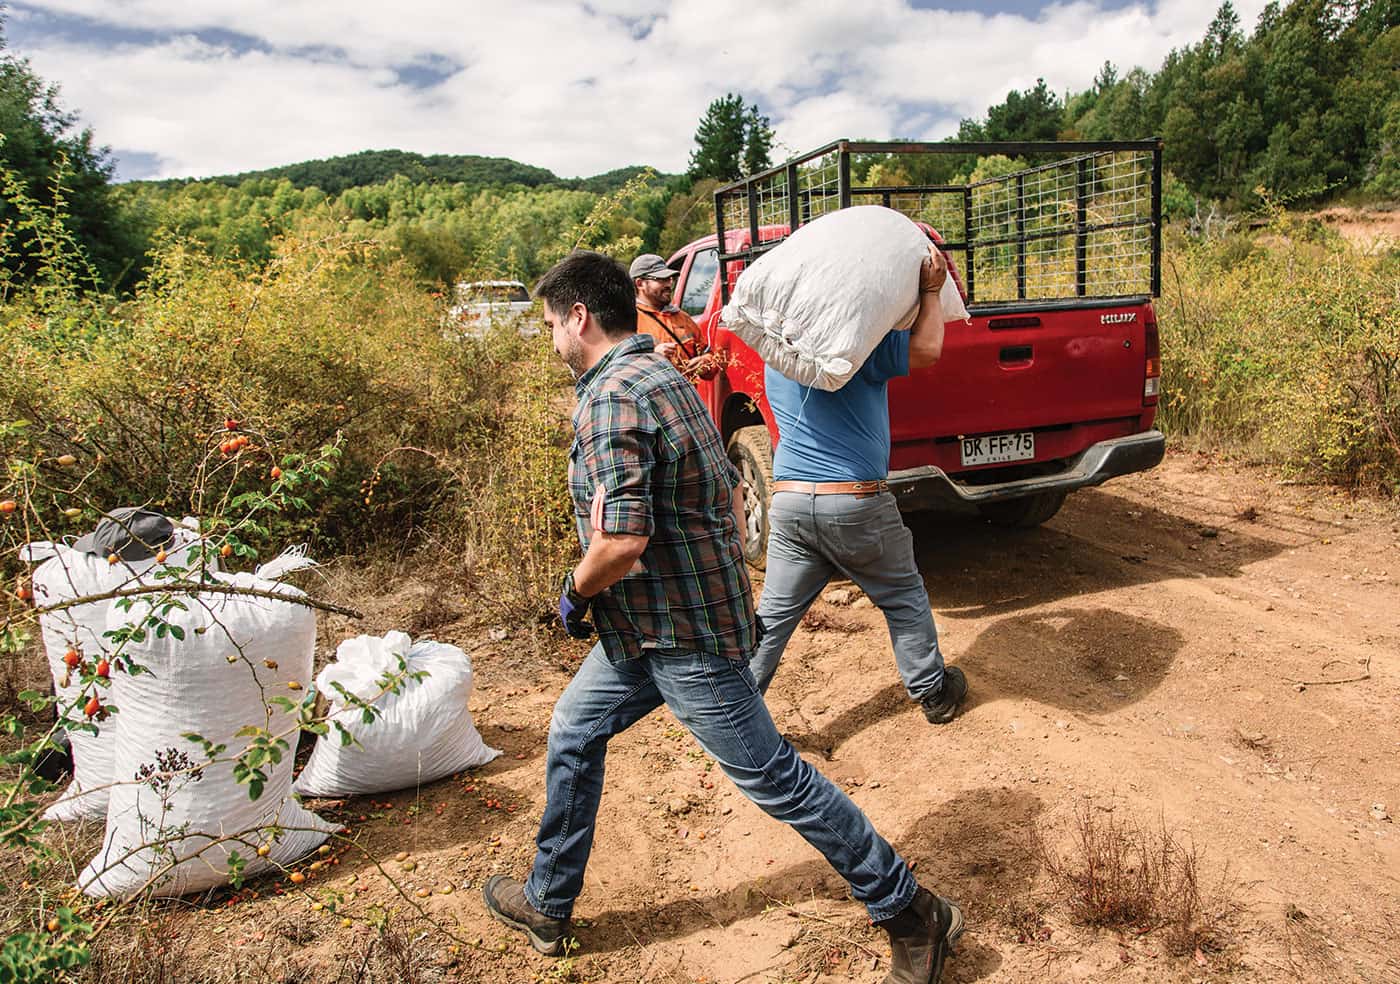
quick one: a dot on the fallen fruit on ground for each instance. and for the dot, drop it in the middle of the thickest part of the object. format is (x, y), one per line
(8, 506)
(297, 878)
(66, 460)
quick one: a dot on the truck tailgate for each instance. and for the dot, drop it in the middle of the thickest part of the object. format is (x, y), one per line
(1023, 371)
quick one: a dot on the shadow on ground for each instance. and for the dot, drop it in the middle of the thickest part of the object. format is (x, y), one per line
(974, 848)
(1083, 661)
(1099, 542)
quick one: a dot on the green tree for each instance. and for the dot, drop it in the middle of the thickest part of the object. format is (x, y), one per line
(730, 141)
(1035, 114)
(758, 142)
(689, 215)
(719, 140)
(45, 148)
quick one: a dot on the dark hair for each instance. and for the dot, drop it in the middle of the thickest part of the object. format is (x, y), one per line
(597, 282)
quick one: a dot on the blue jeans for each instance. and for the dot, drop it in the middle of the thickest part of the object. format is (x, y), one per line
(812, 537)
(717, 700)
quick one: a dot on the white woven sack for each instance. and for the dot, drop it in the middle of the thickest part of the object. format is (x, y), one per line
(816, 305)
(194, 686)
(69, 574)
(422, 733)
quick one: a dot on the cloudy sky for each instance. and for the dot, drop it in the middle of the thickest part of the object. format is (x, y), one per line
(183, 88)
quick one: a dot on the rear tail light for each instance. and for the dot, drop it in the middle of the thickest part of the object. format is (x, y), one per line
(1153, 374)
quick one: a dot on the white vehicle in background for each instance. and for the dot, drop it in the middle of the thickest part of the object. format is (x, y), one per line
(481, 304)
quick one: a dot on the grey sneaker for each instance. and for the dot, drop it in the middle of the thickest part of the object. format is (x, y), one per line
(943, 706)
(922, 938)
(505, 899)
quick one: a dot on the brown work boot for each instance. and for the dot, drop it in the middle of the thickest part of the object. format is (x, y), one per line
(921, 938)
(505, 899)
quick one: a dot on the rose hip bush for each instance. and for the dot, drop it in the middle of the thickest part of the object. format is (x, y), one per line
(319, 397)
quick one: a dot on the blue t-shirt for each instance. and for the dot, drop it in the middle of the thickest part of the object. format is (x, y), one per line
(842, 436)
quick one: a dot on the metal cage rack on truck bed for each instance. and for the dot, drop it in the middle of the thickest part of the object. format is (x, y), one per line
(1083, 225)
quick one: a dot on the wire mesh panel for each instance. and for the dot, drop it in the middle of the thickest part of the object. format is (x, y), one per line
(769, 205)
(1085, 224)
(943, 209)
(1079, 227)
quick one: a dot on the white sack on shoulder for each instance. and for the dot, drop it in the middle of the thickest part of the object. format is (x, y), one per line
(815, 306)
(421, 733)
(65, 575)
(174, 820)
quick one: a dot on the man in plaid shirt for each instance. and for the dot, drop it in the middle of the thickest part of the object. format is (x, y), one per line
(657, 501)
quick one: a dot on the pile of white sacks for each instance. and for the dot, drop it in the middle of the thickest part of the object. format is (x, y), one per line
(174, 817)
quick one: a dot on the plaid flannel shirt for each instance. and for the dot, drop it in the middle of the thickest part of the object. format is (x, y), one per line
(647, 460)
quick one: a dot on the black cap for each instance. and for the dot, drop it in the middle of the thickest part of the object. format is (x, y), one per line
(132, 533)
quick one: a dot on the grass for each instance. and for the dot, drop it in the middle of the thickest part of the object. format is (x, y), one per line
(1284, 345)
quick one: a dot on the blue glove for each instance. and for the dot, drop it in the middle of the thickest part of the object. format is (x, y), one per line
(572, 609)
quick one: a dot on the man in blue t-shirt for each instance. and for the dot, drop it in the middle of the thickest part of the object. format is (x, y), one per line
(833, 513)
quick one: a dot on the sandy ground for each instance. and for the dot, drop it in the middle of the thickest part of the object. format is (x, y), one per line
(1364, 226)
(1171, 648)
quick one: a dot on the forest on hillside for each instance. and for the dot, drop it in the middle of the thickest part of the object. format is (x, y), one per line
(1304, 108)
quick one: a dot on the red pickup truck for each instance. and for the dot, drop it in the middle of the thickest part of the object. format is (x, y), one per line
(1052, 384)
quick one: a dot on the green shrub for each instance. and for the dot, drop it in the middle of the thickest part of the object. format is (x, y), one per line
(332, 337)
(1289, 346)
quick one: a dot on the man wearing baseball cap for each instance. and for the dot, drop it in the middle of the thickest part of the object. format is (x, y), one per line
(676, 333)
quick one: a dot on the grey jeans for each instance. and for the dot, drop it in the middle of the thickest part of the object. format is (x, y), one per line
(812, 537)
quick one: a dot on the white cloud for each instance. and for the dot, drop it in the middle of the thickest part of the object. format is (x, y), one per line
(567, 86)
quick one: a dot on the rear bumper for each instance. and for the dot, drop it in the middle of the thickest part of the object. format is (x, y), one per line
(929, 486)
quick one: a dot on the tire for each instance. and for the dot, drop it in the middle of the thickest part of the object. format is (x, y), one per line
(1024, 513)
(752, 454)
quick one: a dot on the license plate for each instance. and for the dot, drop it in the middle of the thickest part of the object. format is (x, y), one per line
(995, 449)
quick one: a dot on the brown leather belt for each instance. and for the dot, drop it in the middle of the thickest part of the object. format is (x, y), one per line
(858, 489)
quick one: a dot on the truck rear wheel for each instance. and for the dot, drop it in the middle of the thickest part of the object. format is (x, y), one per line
(1024, 513)
(752, 454)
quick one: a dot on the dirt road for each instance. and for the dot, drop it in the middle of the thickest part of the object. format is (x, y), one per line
(1170, 648)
